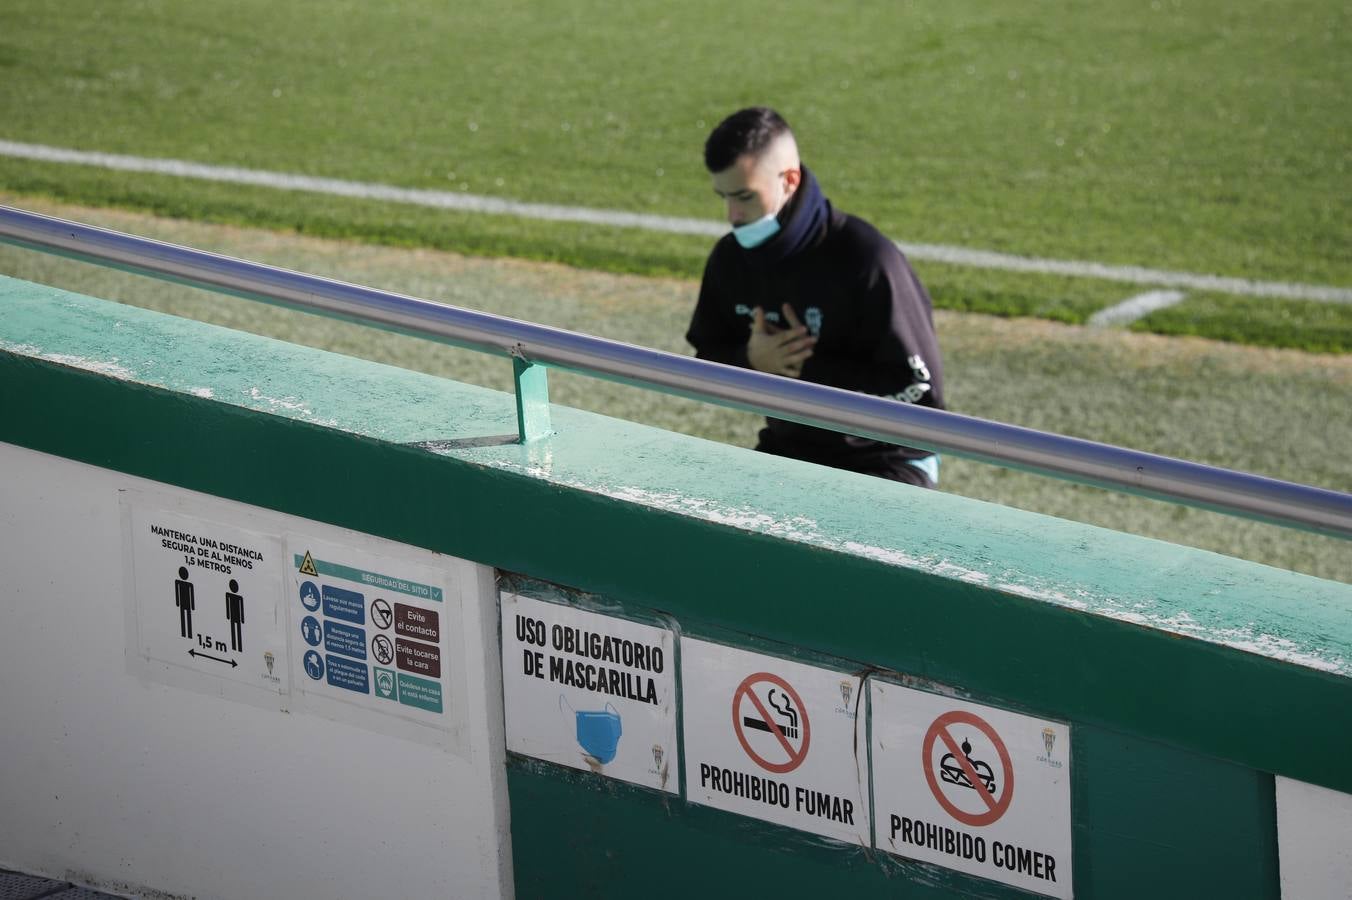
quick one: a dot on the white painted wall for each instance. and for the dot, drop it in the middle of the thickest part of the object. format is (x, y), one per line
(131, 775)
(1314, 839)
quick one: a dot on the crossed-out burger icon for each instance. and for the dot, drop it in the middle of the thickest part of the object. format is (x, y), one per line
(951, 771)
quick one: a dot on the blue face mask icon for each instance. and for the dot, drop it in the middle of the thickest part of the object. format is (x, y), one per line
(598, 733)
(753, 234)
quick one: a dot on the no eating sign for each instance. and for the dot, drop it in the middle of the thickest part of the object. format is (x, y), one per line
(774, 739)
(977, 789)
(968, 786)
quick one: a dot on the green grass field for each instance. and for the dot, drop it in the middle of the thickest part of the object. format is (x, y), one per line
(1281, 413)
(1194, 135)
(1191, 135)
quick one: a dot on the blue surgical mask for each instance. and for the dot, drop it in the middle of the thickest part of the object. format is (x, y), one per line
(753, 234)
(598, 733)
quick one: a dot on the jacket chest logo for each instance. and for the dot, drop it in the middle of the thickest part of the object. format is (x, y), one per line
(812, 317)
(813, 320)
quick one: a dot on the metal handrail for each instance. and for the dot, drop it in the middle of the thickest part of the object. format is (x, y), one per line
(1074, 459)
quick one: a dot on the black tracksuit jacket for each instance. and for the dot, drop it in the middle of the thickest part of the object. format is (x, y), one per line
(855, 290)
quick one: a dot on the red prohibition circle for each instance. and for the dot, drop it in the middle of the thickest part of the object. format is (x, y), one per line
(795, 760)
(997, 806)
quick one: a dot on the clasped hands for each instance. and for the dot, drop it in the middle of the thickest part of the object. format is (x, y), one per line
(779, 350)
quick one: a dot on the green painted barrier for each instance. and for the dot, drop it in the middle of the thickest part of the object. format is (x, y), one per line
(1188, 679)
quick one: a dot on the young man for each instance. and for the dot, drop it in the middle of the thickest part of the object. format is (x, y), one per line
(802, 290)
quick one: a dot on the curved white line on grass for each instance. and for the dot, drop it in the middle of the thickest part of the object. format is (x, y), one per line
(362, 190)
(957, 256)
(1221, 284)
(1133, 308)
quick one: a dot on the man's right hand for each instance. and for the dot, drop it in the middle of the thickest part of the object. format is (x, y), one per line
(779, 351)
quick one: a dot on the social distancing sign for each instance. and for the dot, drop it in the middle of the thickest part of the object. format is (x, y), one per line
(246, 603)
(774, 739)
(973, 788)
(207, 596)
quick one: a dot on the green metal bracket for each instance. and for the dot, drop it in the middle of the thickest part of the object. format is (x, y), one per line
(532, 400)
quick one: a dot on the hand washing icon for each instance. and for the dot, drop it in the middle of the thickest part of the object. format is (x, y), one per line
(598, 732)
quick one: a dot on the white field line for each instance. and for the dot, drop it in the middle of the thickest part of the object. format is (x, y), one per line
(1133, 308)
(958, 256)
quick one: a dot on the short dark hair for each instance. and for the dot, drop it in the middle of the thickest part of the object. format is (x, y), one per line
(748, 130)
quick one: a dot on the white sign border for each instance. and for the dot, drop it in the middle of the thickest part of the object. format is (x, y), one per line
(476, 590)
(859, 837)
(458, 581)
(149, 669)
(574, 601)
(961, 699)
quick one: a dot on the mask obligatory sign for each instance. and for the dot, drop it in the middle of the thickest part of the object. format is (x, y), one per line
(590, 691)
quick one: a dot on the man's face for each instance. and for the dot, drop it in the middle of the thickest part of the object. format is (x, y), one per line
(753, 189)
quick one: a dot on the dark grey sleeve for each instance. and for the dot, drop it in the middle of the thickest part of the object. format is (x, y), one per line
(716, 331)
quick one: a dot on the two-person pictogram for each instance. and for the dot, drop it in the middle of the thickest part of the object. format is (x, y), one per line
(185, 598)
(312, 631)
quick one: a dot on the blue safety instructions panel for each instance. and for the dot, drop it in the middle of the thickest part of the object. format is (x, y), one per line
(374, 630)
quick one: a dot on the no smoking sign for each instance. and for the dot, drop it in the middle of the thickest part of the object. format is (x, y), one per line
(775, 739)
(771, 722)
